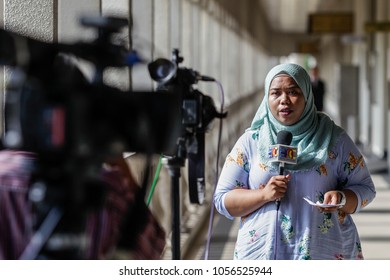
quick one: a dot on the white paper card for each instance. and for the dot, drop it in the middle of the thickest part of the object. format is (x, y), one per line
(319, 204)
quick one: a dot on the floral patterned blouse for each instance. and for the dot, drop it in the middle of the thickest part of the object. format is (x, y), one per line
(298, 230)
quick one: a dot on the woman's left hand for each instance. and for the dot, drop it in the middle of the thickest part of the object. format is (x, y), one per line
(330, 197)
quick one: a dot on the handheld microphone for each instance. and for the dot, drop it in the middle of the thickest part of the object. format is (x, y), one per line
(283, 153)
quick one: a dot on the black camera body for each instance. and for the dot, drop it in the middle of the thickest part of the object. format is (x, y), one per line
(198, 111)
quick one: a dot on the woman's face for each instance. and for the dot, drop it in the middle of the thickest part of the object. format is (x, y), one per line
(286, 100)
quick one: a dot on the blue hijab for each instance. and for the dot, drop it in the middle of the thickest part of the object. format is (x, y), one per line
(314, 134)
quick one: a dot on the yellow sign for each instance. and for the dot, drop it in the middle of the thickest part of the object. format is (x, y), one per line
(331, 23)
(383, 26)
(308, 47)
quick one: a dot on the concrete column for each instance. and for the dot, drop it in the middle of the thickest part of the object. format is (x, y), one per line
(379, 105)
(1, 71)
(209, 45)
(189, 33)
(116, 8)
(1, 13)
(70, 29)
(28, 18)
(204, 45)
(142, 41)
(359, 57)
(118, 77)
(33, 18)
(69, 16)
(388, 141)
(161, 30)
(175, 24)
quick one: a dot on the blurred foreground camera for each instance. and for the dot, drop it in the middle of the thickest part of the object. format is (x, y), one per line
(74, 125)
(52, 108)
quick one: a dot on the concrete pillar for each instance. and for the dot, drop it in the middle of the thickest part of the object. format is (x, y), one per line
(1, 70)
(161, 30)
(190, 33)
(1, 13)
(117, 8)
(379, 103)
(33, 18)
(69, 16)
(142, 41)
(70, 29)
(359, 57)
(175, 24)
(118, 77)
(28, 18)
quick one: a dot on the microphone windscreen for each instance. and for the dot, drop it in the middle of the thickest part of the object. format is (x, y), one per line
(284, 137)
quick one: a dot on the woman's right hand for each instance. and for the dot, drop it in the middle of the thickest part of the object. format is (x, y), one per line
(241, 202)
(276, 187)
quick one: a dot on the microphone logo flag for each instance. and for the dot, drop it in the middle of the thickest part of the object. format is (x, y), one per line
(283, 153)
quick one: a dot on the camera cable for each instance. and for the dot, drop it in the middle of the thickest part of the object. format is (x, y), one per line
(211, 218)
(155, 179)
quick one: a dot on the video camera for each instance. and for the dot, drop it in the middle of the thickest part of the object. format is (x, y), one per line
(198, 111)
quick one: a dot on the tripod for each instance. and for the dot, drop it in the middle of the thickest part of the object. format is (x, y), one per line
(173, 165)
